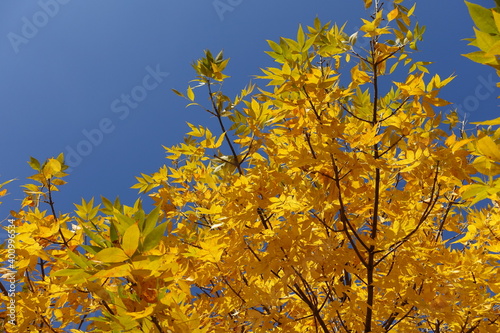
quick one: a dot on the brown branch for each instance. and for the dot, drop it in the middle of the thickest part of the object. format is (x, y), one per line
(4, 291)
(307, 286)
(249, 149)
(433, 200)
(342, 323)
(223, 128)
(308, 139)
(226, 161)
(443, 220)
(390, 327)
(390, 55)
(157, 324)
(42, 268)
(46, 322)
(493, 233)
(318, 116)
(82, 321)
(30, 283)
(343, 217)
(327, 227)
(391, 146)
(353, 115)
(251, 250)
(396, 110)
(310, 304)
(264, 219)
(103, 302)
(233, 290)
(51, 204)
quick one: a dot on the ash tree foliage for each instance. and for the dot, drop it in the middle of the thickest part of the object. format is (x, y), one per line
(331, 199)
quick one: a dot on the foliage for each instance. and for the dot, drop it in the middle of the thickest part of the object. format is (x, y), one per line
(487, 34)
(330, 201)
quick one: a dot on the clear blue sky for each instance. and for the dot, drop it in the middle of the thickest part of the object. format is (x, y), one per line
(67, 67)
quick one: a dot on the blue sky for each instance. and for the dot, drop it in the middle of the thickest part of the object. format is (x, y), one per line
(68, 66)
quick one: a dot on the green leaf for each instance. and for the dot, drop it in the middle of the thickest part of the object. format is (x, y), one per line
(220, 57)
(67, 272)
(94, 235)
(123, 221)
(60, 158)
(117, 204)
(484, 40)
(34, 164)
(292, 44)
(275, 46)
(150, 221)
(139, 214)
(153, 239)
(496, 18)
(79, 278)
(301, 37)
(113, 232)
(481, 57)
(108, 206)
(482, 17)
(476, 191)
(91, 249)
(78, 259)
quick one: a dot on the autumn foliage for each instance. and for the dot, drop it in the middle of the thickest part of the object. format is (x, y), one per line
(332, 199)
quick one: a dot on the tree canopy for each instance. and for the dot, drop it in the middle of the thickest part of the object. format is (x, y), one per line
(334, 198)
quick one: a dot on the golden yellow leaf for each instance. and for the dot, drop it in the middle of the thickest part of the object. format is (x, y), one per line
(488, 148)
(392, 14)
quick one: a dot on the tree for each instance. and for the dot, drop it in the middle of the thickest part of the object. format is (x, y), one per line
(333, 200)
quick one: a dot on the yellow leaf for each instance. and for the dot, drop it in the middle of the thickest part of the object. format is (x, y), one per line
(111, 255)
(459, 144)
(471, 233)
(130, 239)
(358, 76)
(47, 232)
(495, 121)
(286, 69)
(392, 14)
(486, 166)
(51, 167)
(496, 17)
(54, 164)
(114, 271)
(190, 93)
(212, 251)
(488, 148)
(98, 290)
(142, 314)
